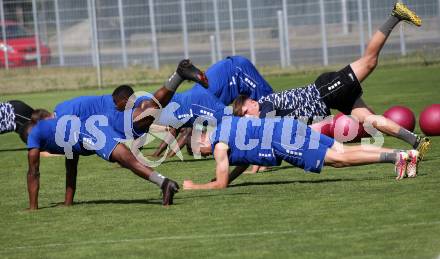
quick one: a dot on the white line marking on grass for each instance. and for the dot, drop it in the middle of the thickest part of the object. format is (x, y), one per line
(190, 237)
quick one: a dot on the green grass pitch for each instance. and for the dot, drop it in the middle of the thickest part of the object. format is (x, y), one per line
(354, 212)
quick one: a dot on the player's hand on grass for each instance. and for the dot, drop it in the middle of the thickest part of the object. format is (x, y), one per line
(188, 185)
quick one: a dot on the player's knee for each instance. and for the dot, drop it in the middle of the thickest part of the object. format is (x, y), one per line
(371, 62)
(374, 120)
(338, 160)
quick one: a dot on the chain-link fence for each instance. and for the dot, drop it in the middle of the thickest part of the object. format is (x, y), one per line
(95, 42)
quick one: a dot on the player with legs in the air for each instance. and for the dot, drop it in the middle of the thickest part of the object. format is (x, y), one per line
(95, 134)
(186, 110)
(234, 76)
(339, 90)
(242, 141)
(228, 78)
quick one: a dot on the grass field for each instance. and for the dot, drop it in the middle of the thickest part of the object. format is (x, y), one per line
(354, 212)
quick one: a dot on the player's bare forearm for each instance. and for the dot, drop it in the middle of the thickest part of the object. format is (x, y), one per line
(181, 141)
(33, 178)
(164, 144)
(71, 173)
(221, 171)
(239, 170)
(159, 150)
(221, 182)
(189, 185)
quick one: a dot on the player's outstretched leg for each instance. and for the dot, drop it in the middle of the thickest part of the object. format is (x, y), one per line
(405, 162)
(125, 158)
(366, 64)
(387, 126)
(144, 115)
(185, 71)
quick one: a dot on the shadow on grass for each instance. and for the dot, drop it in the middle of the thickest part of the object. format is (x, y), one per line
(211, 195)
(147, 148)
(292, 182)
(13, 149)
(188, 161)
(277, 168)
(100, 202)
(317, 181)
(120, 201)
(137, 201)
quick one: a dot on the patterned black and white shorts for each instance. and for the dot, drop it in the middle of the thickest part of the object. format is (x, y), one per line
(14, 115)
(300, 103)
(7, 118)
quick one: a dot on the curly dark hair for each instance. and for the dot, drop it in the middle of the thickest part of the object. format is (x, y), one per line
(39, 114)
(123, 92)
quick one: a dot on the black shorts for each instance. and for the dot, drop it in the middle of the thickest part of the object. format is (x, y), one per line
(23, 114)
(339, 90)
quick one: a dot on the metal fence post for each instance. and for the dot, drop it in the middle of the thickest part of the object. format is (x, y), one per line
(344, 17)
(251, 30)
(213, 51)
(122, 29)
(231, 27)
(59, 34)
(217, 30)
(153, 35)
(95, 44)
(438, 13)
(92, 32)
(361, 27)
(281, 38)
(402, 39)
(370, 29)
(184, 29)
(5, 40)
(286, 33)
(37, 38)
(323, 33)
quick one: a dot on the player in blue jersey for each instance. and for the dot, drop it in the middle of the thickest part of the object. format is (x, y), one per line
(228, 79)
(236, 75)
(85, 106)
(73, 137)
(195, 104)
(82, 140)
(340, 90)
(242, 141)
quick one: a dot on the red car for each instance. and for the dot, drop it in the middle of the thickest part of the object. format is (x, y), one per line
(21, 47)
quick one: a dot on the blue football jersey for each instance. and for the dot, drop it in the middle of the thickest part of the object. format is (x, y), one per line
(269, 141)
(53, 136)
(195, 104)
(236, 76)
(244, 136)
(85, 106)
